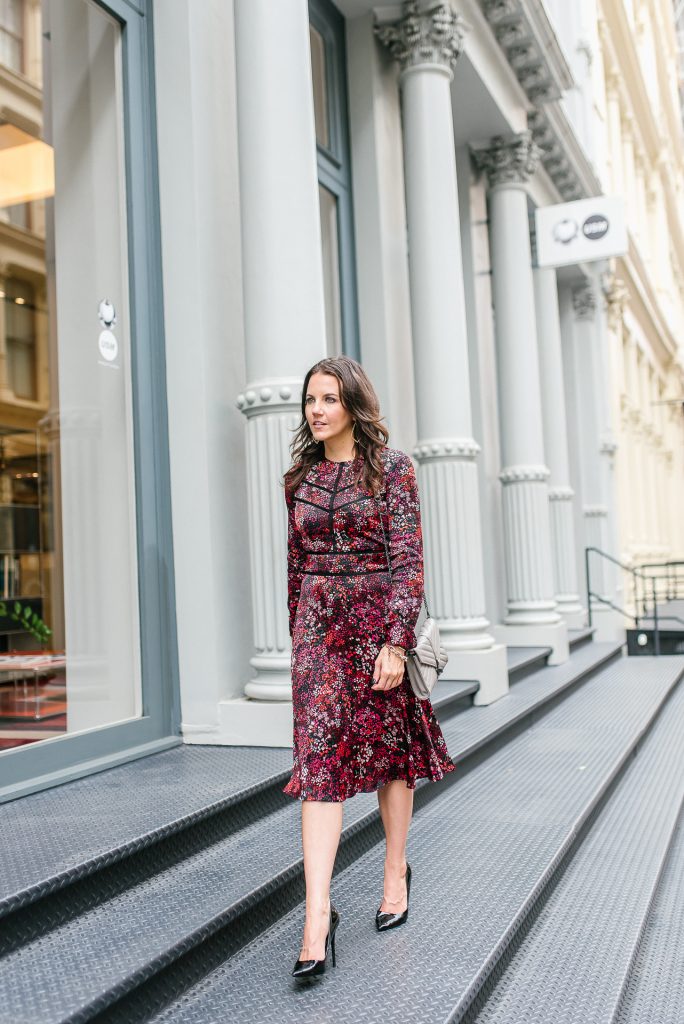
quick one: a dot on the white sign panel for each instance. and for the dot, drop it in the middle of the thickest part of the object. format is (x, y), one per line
(578, 232)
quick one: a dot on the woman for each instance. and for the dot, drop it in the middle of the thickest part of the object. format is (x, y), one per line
(358, 727)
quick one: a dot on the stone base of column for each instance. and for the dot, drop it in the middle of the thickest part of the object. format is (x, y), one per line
(273, 680)
(489, 668)
(554, 636)
(462, 635)
(610, 626)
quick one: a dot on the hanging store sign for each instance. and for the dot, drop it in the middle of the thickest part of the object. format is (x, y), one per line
(581, 231)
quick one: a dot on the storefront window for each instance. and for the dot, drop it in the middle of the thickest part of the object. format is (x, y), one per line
(69, 617)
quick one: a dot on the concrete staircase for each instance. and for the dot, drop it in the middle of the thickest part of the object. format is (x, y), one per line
(170, 888)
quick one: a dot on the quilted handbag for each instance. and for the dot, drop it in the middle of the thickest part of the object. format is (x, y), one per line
(427, 658)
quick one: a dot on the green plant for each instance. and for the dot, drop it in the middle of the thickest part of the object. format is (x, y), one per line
(29, 620)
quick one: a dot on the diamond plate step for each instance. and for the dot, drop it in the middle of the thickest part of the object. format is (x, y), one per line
(522, 661)
(482, 854)
(156, 907)
(573, 962)
(61, 835)
(655, 987)
(583, 635)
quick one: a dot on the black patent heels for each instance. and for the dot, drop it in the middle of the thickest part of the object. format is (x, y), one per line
(385, 920)
(304, 969)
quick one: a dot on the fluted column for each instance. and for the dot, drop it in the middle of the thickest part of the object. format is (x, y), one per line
(561, 494)
(594, 506)
(427, 41)
(532, 611)
(283, 295)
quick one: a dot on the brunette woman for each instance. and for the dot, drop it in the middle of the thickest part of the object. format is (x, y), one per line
(358, 727)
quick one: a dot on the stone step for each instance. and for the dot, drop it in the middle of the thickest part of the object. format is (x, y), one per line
(483, 852)
(236, 869)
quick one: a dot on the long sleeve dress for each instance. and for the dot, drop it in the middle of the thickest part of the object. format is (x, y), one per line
(343, 606)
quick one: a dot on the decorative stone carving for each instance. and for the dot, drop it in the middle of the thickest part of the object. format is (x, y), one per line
(509, 161)
(438, 448)
(554, 156)
(521, 32)
(616, 295)
(584, 302)
(519, 474)
(425, 34)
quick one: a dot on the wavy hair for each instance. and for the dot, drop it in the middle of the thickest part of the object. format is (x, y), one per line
(358, 397)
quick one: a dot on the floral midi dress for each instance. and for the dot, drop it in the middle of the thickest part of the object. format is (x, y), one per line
(343, 606)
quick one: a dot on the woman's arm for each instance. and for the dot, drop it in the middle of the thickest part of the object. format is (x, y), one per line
(405, 542)
(295, 561)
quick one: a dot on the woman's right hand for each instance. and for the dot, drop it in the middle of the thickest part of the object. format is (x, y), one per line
(388, 671)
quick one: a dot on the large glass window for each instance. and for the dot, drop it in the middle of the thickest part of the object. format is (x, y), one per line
(329, 84)
(12, 34)
(69, 617)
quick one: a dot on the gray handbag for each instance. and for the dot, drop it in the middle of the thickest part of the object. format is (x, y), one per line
(427, 658)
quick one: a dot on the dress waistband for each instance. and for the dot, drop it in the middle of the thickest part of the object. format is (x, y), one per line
(345, 563)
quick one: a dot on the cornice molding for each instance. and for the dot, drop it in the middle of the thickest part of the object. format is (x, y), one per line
(526, 36)
(563, 157)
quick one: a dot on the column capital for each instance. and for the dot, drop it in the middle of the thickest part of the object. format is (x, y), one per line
(509, 160)
(426, 33)
(584, 302)
(616, 296)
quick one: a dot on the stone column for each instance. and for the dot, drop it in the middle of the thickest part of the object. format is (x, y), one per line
(283, 295)
(532, 616)
(561, 494)
(427, 41)
(596, 447)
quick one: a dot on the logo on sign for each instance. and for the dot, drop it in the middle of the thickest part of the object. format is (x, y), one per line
(595, 227)
(108, 345)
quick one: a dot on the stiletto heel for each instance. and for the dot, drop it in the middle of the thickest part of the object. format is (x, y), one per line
(385, 920)
(304, 969)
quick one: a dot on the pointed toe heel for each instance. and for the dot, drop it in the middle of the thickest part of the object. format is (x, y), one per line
(305, 969)
(384, 920)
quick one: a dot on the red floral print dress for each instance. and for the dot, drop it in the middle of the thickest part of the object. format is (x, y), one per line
(343, 607)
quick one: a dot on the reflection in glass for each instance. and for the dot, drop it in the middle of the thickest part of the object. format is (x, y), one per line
(69, 629)
(320, 92)
(331, 270)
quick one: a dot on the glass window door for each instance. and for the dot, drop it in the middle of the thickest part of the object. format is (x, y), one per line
(72, 498)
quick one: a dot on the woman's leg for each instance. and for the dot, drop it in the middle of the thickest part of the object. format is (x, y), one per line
(321, 829)
(396, 808)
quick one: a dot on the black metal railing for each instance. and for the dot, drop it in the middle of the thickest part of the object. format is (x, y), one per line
(648, 587)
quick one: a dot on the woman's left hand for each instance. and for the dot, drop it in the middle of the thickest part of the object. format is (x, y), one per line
(389, 669)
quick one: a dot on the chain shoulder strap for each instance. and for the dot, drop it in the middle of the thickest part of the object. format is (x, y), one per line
(389, 564)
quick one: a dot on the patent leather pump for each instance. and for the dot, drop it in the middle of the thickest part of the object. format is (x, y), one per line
(385, 920)
(304, 969)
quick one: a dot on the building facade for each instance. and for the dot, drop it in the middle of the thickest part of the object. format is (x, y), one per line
(205, 199)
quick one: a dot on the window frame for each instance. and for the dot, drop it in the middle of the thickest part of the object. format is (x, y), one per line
(334, 162)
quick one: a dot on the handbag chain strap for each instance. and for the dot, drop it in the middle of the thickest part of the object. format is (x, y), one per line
(389, 564)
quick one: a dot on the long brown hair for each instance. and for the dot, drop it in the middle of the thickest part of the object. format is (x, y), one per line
(358, 396)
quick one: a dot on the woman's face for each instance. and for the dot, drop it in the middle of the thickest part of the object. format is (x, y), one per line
(326, 416)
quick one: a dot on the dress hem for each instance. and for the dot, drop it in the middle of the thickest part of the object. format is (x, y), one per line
(294, 790)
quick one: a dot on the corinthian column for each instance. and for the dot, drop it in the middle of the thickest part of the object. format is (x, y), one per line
(283, 295)
(427, 41)
(561, 494)
(532, 615)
